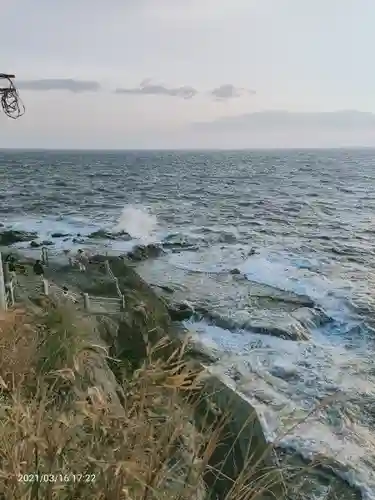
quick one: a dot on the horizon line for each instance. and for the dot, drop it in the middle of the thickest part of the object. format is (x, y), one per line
(105, 150)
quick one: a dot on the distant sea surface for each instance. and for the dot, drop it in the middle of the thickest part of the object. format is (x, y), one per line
(309, 216)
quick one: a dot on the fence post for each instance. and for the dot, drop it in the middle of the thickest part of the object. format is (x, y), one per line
(12, 293)
(44, 256)
(86, 301)
(45, 287)
(3, 299)
(118, 291)
(122, 302)
(10, 289)
(107, 268)
(6, 273)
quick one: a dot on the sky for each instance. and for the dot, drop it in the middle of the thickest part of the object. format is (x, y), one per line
(190, 73)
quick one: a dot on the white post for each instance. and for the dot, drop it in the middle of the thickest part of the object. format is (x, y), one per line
(3, 299)
(118, 291)
(107, 268)
(86, 301)
(122, 303)
(45, 287)
(12, 293)
(9, 293)
(45, 256)
(6, 272)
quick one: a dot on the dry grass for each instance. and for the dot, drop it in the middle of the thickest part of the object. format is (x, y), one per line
(53, 446)
(18, 346)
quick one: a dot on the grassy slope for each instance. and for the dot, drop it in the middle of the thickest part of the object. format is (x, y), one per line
(56, 424)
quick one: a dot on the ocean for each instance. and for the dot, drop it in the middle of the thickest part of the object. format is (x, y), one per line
(295, 220)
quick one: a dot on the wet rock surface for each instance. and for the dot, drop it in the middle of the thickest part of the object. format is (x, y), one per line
(103, 234)
(144, 252)
(277, 324)
(9, 237)
(180, 311)
(248, 306)
(39, 244)
(60, 235)
(179, 243)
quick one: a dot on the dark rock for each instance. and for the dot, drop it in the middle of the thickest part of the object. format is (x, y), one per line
(180, 312)
(177, 243)
(35, 244)
(252, 251)
(279, 324)
(315, 479)
(311, 318)
(288, 330)
(184, 249)
(143, 252)
(235, 271)
(59, 235)
(240, 443)
(9, 237)
(285, 373)
(78, 241)
(165, 288)
(47, 243)
(102, 234)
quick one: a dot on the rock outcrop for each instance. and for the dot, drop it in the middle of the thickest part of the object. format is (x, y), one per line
(11, 236)
(103, 234)
(279, 324)
(143, 252)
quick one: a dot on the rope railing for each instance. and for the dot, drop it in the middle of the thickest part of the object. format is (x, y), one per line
(113, 277)
(47, 287)
(91, 303)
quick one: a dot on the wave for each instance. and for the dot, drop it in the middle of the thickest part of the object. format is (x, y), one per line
(289, 382)
(139, 222)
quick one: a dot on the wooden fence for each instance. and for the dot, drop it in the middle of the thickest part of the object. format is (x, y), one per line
(90, 303)
(6, 286)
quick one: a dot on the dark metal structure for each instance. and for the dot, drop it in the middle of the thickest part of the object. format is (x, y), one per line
(10, 100)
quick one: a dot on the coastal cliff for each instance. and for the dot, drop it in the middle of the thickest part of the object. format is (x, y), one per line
(122, 401)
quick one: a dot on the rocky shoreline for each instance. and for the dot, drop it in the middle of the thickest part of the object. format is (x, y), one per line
(153, 312)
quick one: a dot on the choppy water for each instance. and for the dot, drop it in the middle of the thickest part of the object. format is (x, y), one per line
(309, 215)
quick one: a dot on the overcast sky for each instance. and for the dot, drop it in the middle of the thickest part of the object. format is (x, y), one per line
(147, 73)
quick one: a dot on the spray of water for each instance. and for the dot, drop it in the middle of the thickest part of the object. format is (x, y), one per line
(138, 222)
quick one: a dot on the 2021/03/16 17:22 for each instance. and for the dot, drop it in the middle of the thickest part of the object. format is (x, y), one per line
(56, 478)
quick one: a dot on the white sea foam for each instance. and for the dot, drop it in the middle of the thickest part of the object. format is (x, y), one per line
(139, 222)
(286, 380)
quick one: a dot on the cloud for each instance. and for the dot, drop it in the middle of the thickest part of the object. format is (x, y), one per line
(68, 84)
(148, 88)
(229, 91)
(280, 120)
